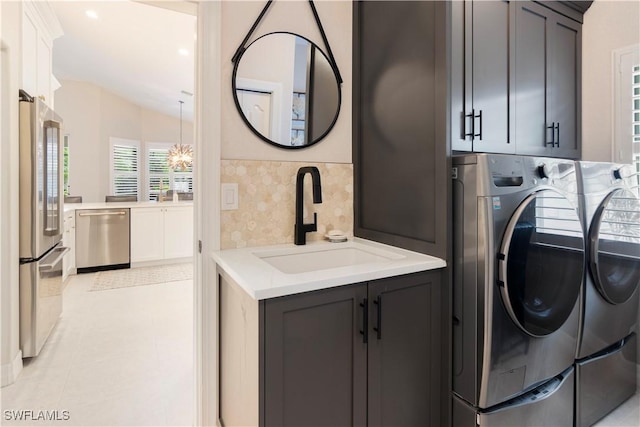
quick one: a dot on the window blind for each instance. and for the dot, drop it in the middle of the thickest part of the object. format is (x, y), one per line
(125, 168)
(157, 171)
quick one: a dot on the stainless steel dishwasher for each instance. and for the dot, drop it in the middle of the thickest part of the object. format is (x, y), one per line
(102, 239)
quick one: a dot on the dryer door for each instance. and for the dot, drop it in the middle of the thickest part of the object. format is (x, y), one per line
(614, 240)
(541, 262)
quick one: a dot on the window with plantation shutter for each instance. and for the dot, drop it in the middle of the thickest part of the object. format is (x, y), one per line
(125, 167)
(626, 66)
(160, 177)
(157, 170)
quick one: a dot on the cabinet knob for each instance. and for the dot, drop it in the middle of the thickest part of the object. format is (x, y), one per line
(41, 98)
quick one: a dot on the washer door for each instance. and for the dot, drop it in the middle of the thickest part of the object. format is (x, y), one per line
(614, 239)
(541, 263)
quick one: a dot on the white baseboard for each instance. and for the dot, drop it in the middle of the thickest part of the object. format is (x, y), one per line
(161, 262)
(10, 371)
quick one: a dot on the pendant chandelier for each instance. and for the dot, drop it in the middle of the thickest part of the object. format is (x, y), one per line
(180, 156)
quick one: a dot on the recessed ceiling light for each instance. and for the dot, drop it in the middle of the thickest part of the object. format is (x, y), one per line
(183, 52)
(92, 14)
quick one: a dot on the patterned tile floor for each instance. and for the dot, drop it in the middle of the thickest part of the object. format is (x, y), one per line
(122, 357)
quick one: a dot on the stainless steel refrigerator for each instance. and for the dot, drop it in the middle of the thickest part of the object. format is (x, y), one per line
(41, 205)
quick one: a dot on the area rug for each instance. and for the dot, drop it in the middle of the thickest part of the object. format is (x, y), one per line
(114, 279)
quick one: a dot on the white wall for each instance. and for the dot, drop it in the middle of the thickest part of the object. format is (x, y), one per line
(238, 142)
(10, 355)
(608, 25)
(91, 116)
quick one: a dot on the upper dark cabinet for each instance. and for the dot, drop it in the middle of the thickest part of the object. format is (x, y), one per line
(481, 54)
(547, 82)
(399, 123)
(515, 69)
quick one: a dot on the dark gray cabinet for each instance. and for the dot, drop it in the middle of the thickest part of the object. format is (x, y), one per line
(366, 354)
(516, 77)
(405, 341)
(400, 124)
(482, 85)
(315, 361)
(320, 371)
(547, 80)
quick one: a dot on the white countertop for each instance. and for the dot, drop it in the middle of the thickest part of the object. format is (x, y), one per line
(261, 280)
(102, 205)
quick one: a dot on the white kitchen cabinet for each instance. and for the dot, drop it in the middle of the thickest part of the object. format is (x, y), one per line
(69, 241)
(159, 233)
(29, 54)
(39, 28)
(178, 232)
(147, 234)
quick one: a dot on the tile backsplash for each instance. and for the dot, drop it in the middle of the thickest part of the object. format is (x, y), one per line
(266, 202)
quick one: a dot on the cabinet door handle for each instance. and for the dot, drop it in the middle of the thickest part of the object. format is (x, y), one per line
(558, 132)
(478, 116)
(473, 123)
(378, 328)
(553, 135)
(365, 320)
(119, 213)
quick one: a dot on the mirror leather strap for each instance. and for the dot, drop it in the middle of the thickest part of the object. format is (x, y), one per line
(242, 47)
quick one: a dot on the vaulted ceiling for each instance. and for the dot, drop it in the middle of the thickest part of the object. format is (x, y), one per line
(137, 50)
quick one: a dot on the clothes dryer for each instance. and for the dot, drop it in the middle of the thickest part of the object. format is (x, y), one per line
(517, 272)
(610, 211)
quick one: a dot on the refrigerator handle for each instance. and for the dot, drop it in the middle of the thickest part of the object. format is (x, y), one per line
(50, 265)
(52, 147)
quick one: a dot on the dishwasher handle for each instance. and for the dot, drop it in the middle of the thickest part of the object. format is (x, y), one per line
(101, 213)
(50, 265)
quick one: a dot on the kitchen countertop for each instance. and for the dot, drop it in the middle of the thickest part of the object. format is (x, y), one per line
(261, 280)
(102, 205)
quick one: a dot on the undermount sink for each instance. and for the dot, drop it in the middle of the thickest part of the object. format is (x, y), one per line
(328, 256)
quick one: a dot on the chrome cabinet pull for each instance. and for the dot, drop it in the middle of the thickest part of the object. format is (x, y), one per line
(101, 213)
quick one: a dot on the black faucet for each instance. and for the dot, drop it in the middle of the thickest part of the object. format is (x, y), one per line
(301, 229)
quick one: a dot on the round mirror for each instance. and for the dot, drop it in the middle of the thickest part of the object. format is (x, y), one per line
(286, 90)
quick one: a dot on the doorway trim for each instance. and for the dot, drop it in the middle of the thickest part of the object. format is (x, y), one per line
(208, 110)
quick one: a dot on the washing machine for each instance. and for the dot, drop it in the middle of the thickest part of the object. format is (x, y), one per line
(610, 211)
(518, 267)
